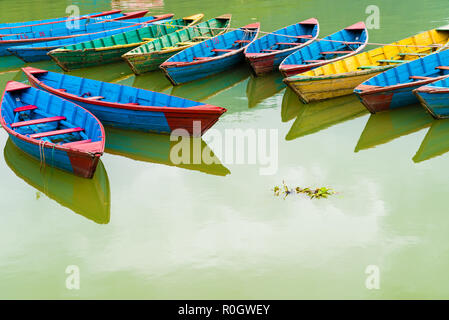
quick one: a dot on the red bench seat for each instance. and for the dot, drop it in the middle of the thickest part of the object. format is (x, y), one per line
(36, 121)
(55, 133)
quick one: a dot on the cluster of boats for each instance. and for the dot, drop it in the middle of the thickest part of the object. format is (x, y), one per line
(59, 118)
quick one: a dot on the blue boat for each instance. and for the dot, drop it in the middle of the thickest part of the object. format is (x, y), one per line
(434, 97)
(37, 25)
(59, 133)
(266, 53)
(64, 33)
(394, 88)
(342, 44)
(210, 57)
(127, 107)
(38, 51)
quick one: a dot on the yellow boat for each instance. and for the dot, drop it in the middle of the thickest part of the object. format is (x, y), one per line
(341, 77)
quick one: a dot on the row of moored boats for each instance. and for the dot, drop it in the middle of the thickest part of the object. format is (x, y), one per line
(60, 120)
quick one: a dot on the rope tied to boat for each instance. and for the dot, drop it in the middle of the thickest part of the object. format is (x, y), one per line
(289, 36)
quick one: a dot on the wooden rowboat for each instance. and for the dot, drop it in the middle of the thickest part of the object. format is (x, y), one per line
(211, 56)
(149, 56)
(266, 53)
(342, 44)
(90, 198)
(434, 97)
(43, 25)
(39, 51)
(341, 77)
(62, 33)
(110, 49)
(55, 131)
(127, 107)
(394, 88)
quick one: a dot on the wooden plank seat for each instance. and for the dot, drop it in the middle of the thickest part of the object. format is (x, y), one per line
(36, 121)
(403, 54)
(307, 36)
(186, 43)
(75, 143)
(442, 68)
(420, 78)
(95, 98)
(55, 133)
(25, 108)
(201, 38)
(369, 67)
(223, 50)
(242, 41)
(288, 44)
(337, 52)
(390, 61)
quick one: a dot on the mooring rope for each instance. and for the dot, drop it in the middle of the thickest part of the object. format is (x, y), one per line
(289, 36)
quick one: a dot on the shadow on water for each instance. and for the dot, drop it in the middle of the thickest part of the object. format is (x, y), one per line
(386, 126)
(206, 88)
(87, 197)
(315, 117)
(157, 148)
(435, 143)
(261, 88)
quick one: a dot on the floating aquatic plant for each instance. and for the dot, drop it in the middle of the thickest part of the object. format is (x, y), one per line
(318, 193)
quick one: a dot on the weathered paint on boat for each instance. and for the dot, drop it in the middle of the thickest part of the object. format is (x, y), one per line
(211, 56)
(341, 77)
(386, 126)
(434, 97)
(127, 107)
(394, 88)
(63, 32)
(342, 44)
(90, 198)
(149, 56)
(39, 51)
(159, 149)
(111, 49)
(435, 143)
(44, 25)
(266, 53)
(55, 131)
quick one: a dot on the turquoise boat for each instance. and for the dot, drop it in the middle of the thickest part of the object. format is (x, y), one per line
(434, 97)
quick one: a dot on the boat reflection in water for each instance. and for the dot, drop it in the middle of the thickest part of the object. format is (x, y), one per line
(435, 143)
(206, 88)
(87, 197)
(154, 81)
(386, 126)
(261, 88)
(156, 148)
(291, 106)
(318, 116)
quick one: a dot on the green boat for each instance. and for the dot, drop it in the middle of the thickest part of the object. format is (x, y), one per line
(110, 49)
(149, 56)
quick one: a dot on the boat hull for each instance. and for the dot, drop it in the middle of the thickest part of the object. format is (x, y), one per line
(80, 164)
(389, 98)
(149, 62)
(191, 121)
(436, 103)
(322, 88)
(182, 74)
(264, 64)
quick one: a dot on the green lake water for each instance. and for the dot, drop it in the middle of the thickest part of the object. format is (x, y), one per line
(147, 228)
